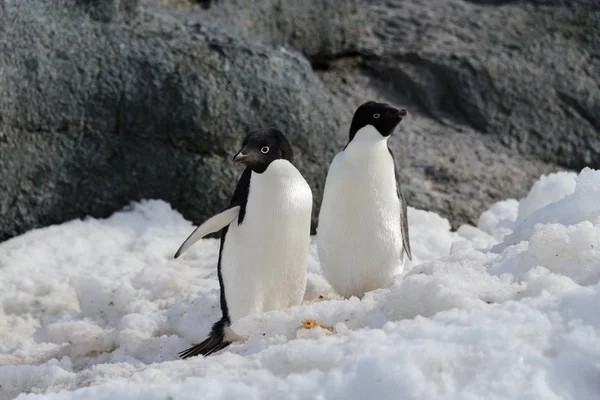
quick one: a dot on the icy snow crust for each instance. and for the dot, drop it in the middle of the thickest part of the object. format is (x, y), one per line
(98, 309)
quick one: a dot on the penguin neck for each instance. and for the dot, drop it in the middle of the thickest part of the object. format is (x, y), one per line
(367, 141)
(277, 169)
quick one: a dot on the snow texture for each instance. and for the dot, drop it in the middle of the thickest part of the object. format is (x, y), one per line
(99, 309)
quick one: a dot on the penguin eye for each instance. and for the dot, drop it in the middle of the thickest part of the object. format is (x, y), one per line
(264, 149)
(376, 115)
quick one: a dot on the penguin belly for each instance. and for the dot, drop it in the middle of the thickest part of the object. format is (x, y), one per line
(264, 258)
(359, 238)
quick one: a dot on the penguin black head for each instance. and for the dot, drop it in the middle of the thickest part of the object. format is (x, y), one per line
(381, 116)
(263, 146)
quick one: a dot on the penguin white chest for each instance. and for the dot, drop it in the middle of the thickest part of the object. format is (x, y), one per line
(264, 258)
(359, 237)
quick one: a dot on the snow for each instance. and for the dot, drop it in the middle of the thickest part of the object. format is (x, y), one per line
(98, 309)
(547, 190)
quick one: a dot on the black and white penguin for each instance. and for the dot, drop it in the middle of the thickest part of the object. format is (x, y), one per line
(265, 238)
(362, 233)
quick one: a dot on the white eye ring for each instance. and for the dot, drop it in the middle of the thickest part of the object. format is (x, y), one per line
(376, 115)
(264, 149)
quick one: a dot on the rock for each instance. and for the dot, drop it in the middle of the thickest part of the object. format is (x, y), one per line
(588, 4)
(97, 115)
(111, 10)
(321, 30)
(478, 77)
(525, 75)
(107, 102)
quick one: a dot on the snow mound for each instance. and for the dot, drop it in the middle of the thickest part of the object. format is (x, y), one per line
(579, 206)
(547, 190)
(99, 309)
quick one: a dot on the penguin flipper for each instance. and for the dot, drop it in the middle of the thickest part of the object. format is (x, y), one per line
(211, 225)
(403, 209)
(404, 224)
(217, 340)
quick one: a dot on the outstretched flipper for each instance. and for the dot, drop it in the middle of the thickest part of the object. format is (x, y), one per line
(404, 211)
(211, 225)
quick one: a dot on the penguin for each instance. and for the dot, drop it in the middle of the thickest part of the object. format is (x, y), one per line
(362, 233)
(264, 241)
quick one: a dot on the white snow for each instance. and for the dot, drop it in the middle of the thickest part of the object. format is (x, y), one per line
(98, 309)
(547, 190)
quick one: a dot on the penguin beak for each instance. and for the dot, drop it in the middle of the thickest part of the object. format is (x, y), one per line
(240, 157)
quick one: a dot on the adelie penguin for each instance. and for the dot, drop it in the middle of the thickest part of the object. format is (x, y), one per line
(363, 229)
(264, 240)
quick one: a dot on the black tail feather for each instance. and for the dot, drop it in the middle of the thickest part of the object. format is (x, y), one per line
(215, 342)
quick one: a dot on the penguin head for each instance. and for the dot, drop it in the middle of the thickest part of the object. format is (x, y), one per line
(263, 146)
(383, 117)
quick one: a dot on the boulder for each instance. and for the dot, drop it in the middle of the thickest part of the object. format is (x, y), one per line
(107, 102)
(476, 76)
(524, 74)
(318, 29)
(95, 115)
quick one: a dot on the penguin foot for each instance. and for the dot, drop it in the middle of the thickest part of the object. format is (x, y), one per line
(206, 348)
(221, 336)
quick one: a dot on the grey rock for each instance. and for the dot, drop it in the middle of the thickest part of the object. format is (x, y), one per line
(96, 115)
(111, 10)
(107, 102)
(588, 4)
(501, 92)
(319, 29)
(525, 75)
